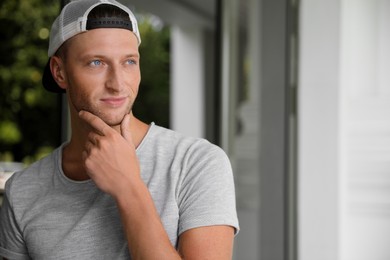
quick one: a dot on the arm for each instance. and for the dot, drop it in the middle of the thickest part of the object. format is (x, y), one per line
(12, 244)
(109, 151)
(147, 236)
(206, 201)
(145, 233)
(213, 242)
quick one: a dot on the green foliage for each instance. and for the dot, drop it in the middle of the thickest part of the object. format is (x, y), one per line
(153, 98)
(9, 132)
(29, 115)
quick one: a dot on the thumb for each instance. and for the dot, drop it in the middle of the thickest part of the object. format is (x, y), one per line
(125, 128)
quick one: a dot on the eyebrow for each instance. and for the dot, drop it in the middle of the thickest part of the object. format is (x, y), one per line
(136, 55)
(87, 56)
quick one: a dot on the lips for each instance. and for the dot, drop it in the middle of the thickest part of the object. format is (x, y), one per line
(114, 101)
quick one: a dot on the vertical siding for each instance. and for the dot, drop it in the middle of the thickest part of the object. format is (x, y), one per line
(366, 140)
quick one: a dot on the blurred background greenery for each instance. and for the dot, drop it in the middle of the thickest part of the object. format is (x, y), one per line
(30, 117)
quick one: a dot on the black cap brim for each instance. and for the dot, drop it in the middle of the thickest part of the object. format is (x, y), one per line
(48, 81)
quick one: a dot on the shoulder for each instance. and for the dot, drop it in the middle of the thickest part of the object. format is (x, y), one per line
(164, 136)
(23, 184)
(161, 135)
(179, 145)
(196, 156)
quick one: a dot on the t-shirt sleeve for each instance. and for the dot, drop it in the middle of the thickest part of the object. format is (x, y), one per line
(11, 240)
(207, 193)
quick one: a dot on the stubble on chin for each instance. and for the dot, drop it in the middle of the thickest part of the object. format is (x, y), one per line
(110, 119)
(78, 102)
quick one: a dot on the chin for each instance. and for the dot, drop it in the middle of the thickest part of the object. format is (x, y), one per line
(113, 120)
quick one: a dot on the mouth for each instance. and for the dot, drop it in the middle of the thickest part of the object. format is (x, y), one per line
(114, 101)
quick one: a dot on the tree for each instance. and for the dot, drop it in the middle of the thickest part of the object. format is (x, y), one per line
(29, 118)
(152, 103)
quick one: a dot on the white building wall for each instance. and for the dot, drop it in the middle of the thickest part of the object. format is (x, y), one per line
(187, 81)
(344, 130)
(366, 129)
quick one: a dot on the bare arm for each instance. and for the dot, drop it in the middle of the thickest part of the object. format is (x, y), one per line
(213, 242)
(109, 151)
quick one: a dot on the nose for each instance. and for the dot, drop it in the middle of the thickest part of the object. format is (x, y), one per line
(115, 79)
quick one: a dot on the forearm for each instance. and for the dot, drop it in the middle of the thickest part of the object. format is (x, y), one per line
(146, 236)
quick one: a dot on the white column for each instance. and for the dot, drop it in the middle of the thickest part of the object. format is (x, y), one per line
(187, 81)
(319, 130)
(366, 139)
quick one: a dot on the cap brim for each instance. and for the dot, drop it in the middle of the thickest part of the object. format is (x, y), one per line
(48, 81)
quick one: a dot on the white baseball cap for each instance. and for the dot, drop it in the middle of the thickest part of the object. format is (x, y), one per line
(73, 20)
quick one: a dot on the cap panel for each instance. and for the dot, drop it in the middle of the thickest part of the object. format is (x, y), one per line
(73, 19)
(55, 36)
(67, 24)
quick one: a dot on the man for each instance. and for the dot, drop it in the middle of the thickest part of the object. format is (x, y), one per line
(119, 189)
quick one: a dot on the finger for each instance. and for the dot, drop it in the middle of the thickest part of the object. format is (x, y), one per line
(88, 146)
(94, 138)
(125, 128)
(95, 122)
(84, 155)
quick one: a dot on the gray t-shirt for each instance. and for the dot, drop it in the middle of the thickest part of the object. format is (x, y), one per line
(45, 215)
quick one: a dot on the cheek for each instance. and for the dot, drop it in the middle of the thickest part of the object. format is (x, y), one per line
(79, 99)
(78, 91)
(81, 91)
(135, 88)
(136, 82)
(81, 82)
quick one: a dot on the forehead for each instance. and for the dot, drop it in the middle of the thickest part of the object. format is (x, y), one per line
(103, 39)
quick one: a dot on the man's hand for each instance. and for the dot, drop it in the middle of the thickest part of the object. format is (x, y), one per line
(110, 157)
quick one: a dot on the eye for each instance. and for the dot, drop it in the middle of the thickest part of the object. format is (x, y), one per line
(131, 62)
(95, 63)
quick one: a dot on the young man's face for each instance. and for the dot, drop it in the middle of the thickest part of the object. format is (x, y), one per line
(102, 73)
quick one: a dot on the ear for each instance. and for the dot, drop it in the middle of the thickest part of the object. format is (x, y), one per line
(57, 69)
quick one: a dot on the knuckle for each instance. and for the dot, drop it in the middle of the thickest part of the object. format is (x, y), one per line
(88, 164)
(104, 144)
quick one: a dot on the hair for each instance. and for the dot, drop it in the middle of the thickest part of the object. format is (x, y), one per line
(105, 10)
(100, 11)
